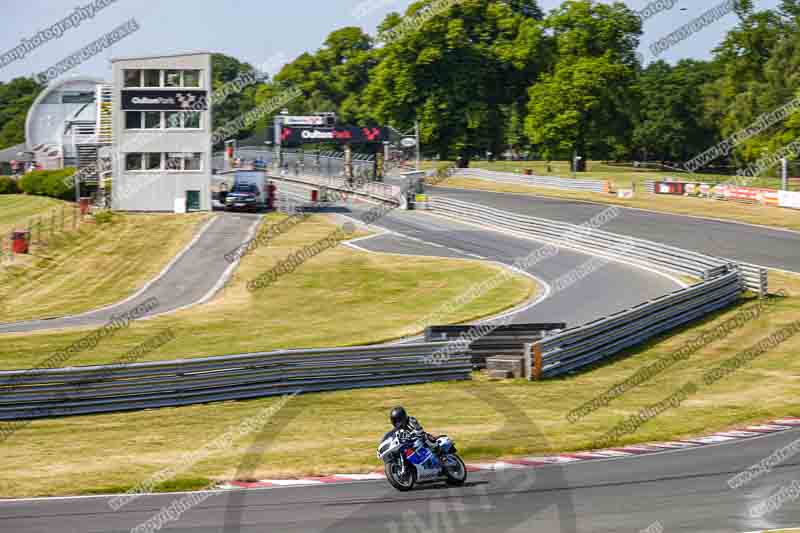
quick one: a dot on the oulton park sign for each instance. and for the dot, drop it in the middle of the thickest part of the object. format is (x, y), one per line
(161, 100)
(346, 134)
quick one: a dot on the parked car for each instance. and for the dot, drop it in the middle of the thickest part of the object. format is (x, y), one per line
(244, 197)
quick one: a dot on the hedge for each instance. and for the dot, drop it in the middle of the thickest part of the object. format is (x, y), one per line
(8, 185)
(49, 183)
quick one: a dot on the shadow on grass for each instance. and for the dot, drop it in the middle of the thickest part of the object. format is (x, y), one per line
(173, 485)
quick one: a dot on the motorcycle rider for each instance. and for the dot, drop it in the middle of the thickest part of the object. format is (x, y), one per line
(402, 422)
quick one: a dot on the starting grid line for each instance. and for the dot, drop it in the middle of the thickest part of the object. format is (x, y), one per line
(747, 432)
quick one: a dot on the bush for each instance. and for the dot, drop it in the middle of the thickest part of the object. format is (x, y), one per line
(105, 217)
(49, 183)
(443, 170)
(8, 185)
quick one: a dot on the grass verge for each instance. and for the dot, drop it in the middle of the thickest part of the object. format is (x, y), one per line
(97, 265)
(16, 209)
(340, 297)
(751, 214)
(487, 419)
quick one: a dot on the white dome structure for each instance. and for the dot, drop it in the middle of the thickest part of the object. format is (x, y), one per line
(62, 118)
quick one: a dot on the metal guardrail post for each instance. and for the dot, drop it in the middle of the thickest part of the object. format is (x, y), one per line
(527, 361)
(536, 353)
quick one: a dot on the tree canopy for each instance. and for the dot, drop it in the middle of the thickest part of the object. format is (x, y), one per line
(495, 75)
(16, 98)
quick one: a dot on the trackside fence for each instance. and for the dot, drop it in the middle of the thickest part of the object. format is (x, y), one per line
(29, 394)
(604, 243)
(549, 182)
(578, 347)
(42, 229)
(569, 350)
(373, 190)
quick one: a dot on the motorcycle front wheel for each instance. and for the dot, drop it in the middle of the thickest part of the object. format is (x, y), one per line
(454, 470)
(402, 483)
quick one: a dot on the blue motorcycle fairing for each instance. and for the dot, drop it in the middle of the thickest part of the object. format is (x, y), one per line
(423, 457)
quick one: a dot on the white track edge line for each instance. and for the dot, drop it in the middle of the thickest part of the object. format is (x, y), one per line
(347, 482)
(599, 202)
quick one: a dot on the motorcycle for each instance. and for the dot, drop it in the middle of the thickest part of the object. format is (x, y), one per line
(408, 461)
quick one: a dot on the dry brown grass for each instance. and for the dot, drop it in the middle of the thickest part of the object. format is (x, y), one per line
(95, 266)
(340, 297)
(17, 209)
(487, 419)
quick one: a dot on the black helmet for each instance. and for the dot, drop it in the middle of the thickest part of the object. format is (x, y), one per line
(398, 417)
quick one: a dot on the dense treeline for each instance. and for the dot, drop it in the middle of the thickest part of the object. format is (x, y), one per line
(16, 97)
(493, 75)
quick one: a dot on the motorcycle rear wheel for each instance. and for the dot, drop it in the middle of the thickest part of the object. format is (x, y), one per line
(456, 473)
(393, 475)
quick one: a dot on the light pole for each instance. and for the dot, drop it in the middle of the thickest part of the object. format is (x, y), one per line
(784, 174)
(416, 135)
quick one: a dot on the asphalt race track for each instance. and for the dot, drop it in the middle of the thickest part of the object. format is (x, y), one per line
(684, 491)
(193, 276)
(759, 245)
(613, 287)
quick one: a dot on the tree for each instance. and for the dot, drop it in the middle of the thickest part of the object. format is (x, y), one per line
(758, 64)
(458, 74)
(569, 109)
(333, 78)
(16, 98)
(669, 123)
(582, 105)
(226, 69)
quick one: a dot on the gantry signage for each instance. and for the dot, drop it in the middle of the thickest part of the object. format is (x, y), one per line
(310, 120)
(343, 134)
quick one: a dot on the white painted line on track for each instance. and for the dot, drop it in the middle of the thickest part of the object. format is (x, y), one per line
(218, 285)
(597, 202)
(228, 271)
(789, 528)
(549, 461)
(160, 275)
(540, 297)
(558, 244)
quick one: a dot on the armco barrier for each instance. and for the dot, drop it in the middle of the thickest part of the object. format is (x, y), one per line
(575, 348)
(599, 242)
(581, 346)
(550, 182)
(373, 190)
(486, 340)
(29, 394)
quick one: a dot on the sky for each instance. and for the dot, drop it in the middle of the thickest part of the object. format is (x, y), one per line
(264, 33)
